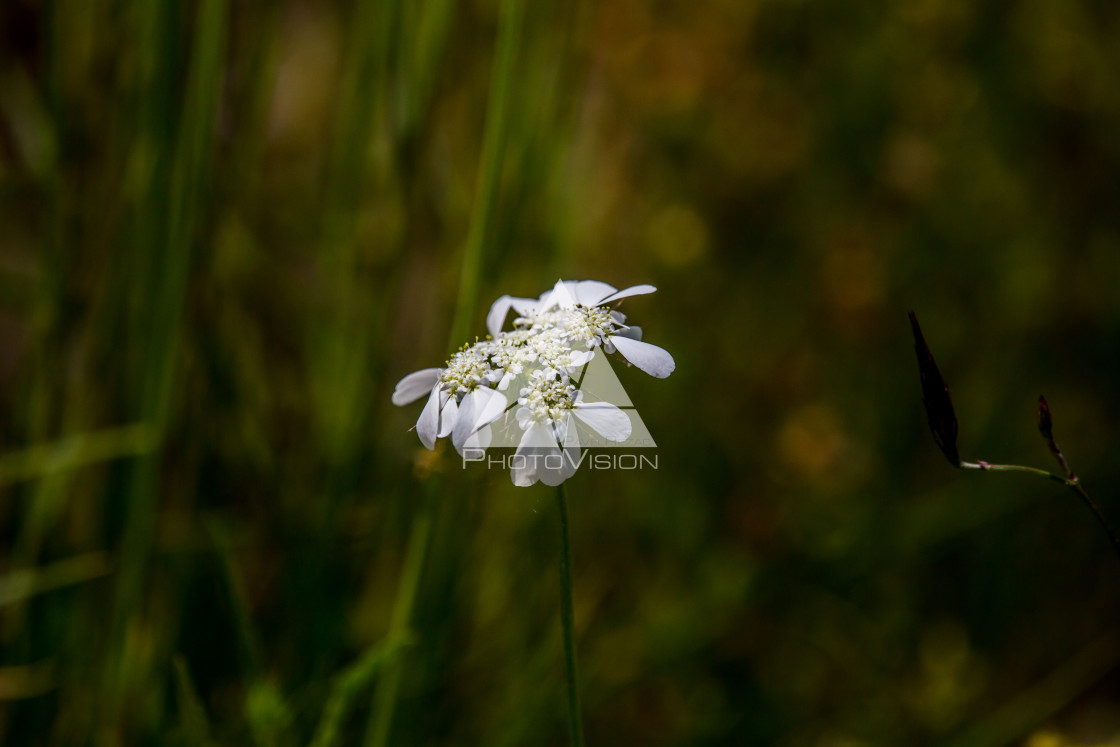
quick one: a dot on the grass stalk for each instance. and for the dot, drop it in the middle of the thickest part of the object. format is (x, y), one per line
(479, 234)
(167, 246)
(74, 452)
(348, 684)
(388, 687)
(1072, 482)
(493, 153)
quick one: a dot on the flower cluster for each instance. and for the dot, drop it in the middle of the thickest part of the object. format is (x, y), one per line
(533, 371)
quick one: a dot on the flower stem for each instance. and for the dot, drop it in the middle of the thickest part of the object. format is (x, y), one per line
(575, 719)
(1070, 482)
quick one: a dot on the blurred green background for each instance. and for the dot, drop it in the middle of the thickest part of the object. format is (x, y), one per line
(228, 227)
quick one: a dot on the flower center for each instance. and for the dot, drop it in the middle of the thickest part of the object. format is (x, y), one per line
(465, 370)
(585, 325)
(545, 400)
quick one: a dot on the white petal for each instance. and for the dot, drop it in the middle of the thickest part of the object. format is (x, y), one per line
(537, 437)
(462, 427)
(497, 315)
(415, 385)
(563, 294)
(499, 310)
(448, 415)
(580, 358)
(493, 405)
(523, 415)
(428, 424)
(634, 333)
(524, 306)
(558, 464)
(650, 358)
(536, 445)
(608, 421)
(521, 476)
(479, 440)
(553, 473)
(567, 435)
(592, 292)
(633, 290)
(481, 407)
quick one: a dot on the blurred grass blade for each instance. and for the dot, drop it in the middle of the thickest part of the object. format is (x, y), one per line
(341, 338)
(75, 452)
(481, 230)
(498, 114)
(18, 586)
(174, 245)
(427, 25)
(164, 244)
(1027, 711)
(266, 711)
(30, 124)
(385, 696)
(193, 724)
(270, 720)
(27, 681)
(188, 177)
(247, 635)
(349, 683)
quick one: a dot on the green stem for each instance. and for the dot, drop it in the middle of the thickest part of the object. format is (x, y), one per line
(988, 467)
(1070, 482)
(575, 719)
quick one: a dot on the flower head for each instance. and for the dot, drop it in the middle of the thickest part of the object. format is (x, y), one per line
(552, 339)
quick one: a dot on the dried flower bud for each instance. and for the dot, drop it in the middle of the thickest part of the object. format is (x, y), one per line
(935, 396)
(1046, 428)
(1045, 422)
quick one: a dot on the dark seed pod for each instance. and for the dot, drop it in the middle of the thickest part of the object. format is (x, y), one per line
(1046, 428)
(935, 396)
(1045, 422)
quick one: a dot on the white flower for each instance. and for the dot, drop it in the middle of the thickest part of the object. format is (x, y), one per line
(587, 323)
(510, 353)
(549, 450)
(553, 337)
(460, 403)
